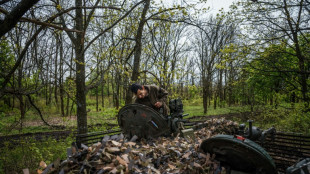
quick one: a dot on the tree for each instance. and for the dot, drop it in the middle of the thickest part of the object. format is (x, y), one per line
(280, 22)
(12, 17)
(213, 37)
(168, 53)
(138, 48)
(82, 21)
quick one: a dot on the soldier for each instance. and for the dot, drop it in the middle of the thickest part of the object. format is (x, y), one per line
(152, 96)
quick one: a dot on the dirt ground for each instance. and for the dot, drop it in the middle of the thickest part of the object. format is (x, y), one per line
(60, 121)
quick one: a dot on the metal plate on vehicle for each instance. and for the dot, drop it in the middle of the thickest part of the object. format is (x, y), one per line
(142, 121)
(239, 154)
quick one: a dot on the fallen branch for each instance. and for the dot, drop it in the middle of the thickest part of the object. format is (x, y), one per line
(41, 116)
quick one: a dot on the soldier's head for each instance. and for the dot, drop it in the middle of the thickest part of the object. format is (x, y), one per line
(138, 90)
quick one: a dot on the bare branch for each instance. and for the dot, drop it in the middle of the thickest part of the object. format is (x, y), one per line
(14, 16)
(46, 24)
(111, 26)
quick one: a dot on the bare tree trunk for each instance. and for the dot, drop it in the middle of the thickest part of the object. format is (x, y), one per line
(70, 77)
(138, 49)
(55, 72)
(215, 100)
(50, 89)
(209, 89)
(80, 71)
(67, 105)
(205, 89)
(108, 88)
(97, 90)
(20, 97)
(181, 88)
(225, 87)
(252, 99)
(61, 75)
(113, 91)
(13, 97)
(102, 96)
(117, 79)
(47, 86)
(220, 89)
(102, 92)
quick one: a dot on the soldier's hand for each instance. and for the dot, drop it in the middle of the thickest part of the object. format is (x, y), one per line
(158, 104)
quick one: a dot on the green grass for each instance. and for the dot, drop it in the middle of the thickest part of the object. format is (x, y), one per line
(282, 117)
(198, 110)
(10, 121)
(29, 153)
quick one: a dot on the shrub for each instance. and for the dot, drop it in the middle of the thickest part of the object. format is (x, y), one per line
(28, 154)
(297, 121)
(284, 119)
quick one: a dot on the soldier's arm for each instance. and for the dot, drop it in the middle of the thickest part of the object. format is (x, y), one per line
(135, 99)
(162, 95)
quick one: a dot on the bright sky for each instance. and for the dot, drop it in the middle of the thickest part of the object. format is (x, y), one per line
(216, 5)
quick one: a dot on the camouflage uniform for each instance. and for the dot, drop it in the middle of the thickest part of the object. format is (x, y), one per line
(155, 94)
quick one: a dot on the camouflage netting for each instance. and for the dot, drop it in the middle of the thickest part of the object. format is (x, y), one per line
(161, 155)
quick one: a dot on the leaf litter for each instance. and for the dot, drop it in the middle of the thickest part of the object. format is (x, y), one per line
(161, 155)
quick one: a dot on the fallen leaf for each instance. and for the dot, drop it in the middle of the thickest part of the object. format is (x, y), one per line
(108, 155)
(176, 171)
(121, 161)
(114, 170)
(26, 171)
(108, 168)
(97, 147)
(146, 146)
(161, 146)
(43, 165)
(155, 170)
(171, 166)
(137, 169)
(197, 165)
(125, 157)
(123, 149)
(208, 156)
(115, 143)
(135, 151)
(113, 149)
(187, 155)
(201, 155)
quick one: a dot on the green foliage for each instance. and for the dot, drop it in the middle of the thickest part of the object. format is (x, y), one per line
(107, 113)
(8, 121)
(284, 118)
(270, 116)
(2, 125)
(6, 59)
(296, 121)
(70, 87)
(272, 75)
(196, 109)
(4, 108)
(193, 102)
(28, 153)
